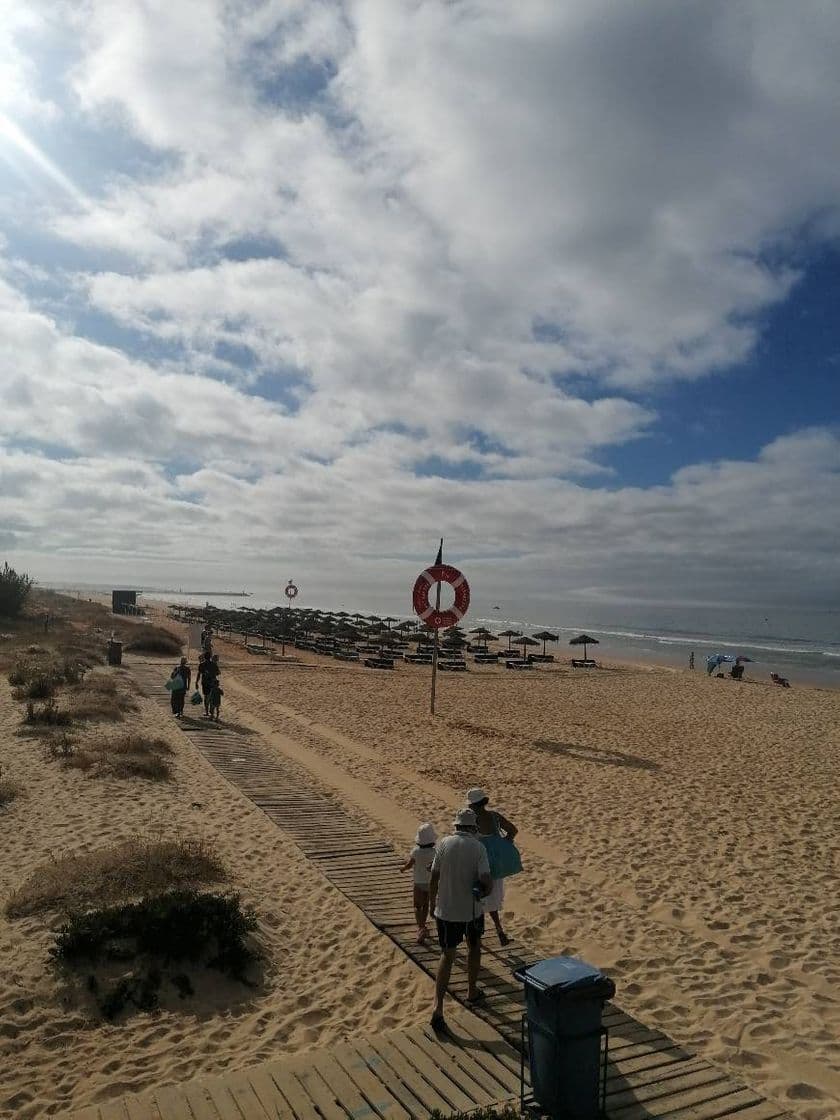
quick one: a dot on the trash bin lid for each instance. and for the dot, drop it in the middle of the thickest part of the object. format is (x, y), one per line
(568, 975)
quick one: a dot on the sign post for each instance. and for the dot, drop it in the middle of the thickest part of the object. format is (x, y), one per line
(291, 594)
(433, 616)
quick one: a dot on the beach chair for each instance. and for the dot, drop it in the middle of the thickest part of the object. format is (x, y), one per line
(584, 663)
(517, 663)
(379, 662)
(453, 665)
(541, 658)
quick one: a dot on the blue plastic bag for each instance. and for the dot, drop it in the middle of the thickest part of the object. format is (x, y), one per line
(503, 856)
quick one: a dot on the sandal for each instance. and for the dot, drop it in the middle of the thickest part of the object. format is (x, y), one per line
(479, 997)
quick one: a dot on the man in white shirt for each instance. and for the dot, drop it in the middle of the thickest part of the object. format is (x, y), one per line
(460, 879)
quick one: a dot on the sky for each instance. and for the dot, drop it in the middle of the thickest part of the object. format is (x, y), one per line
(292, 288)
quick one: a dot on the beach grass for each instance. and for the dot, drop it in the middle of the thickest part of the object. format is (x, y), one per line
(117, 874)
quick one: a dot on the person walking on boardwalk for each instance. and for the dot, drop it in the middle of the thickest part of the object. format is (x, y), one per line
(182, 676)
(460, 879)
(490, 823)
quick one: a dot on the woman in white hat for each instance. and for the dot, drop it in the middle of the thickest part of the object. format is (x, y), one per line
(491, 823)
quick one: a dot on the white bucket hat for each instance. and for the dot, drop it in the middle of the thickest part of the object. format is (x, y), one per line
(464, 818)
(475, 795)
(425, 834)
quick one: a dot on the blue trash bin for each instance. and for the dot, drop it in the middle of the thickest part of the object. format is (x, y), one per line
(564, 998)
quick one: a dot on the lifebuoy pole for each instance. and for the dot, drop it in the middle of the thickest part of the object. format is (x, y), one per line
(437, 611)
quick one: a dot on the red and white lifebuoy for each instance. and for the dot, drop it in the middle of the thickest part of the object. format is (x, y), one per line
(291, 590)
(441, 573)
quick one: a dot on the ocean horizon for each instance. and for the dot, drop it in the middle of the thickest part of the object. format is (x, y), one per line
(794, 642)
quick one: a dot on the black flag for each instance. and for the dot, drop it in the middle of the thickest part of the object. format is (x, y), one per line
(440, 553)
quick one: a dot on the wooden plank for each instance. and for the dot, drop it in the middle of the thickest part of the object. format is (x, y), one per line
(273, 1102)
(247, 1101)
(200, 1101)
(407, 1074)
(141, 1108)
(346, 1091)
(364, 1054)
(289, 1086)
(172, 1104)
(633, 1092)
(376, 1091)
(222, 1099)
(456, 1099)
(485, 1081)
(443, 1056)
(321, 1096)
(706, 1103)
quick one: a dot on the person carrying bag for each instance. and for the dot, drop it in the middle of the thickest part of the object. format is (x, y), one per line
(496, 833)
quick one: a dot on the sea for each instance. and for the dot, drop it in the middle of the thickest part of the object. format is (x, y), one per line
(802, 644)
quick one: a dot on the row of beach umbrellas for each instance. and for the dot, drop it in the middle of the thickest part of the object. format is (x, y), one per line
(343, 624)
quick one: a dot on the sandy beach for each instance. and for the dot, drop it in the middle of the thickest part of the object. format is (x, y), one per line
(680, 832)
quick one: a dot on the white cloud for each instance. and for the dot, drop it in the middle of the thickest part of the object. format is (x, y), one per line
(630, 179)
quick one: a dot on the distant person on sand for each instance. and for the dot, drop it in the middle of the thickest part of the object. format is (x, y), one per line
(691, 660)
(420, 859)
(207, 640)
(460, 879)
(182, 676)
(492, 824)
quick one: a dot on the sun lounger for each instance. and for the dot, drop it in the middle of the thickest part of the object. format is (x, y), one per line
(257, 649)
(346, 654)
(486, 658)
(541, 658)
(584, 663)
(457, 666)
(516, 663)
(379, 662)
(418, 658)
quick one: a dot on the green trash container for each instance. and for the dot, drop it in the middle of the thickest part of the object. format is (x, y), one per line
(114, 652)
(564, 998)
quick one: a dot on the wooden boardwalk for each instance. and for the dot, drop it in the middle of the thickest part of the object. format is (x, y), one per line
(648, 1076)
(399, 1075)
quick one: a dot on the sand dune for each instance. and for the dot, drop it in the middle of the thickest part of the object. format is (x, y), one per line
(320, 953)
(679, 830)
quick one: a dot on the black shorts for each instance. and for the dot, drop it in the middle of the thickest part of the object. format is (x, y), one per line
(451, 934)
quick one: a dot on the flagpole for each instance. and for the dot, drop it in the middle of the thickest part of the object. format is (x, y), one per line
(435, 646)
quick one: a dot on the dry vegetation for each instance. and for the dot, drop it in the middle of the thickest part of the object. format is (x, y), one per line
(135, 869)
(9, 790)
(154, 639)
(130, 756)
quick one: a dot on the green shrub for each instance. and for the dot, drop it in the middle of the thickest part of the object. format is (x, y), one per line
(8, 790)
(200, 928)
(14, 589)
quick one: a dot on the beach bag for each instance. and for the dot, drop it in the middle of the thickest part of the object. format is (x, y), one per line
(503, 856)
(172, 686)
(196, 698)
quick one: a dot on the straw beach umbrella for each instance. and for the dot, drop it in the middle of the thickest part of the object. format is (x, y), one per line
(509, 634)
(546, 636)
(584, 640)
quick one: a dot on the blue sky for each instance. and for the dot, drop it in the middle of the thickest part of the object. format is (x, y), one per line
(346, 276)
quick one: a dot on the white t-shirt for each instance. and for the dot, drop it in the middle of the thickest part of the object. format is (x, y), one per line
(460, 859)
(422, 864)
